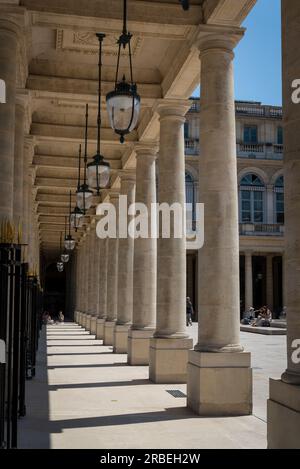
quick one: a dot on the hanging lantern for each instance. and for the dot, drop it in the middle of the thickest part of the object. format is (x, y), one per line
(69, 242)
(65, 258)
(84, 195)
(98, 171)
(123, 103)
(76, 218)
(60, 266)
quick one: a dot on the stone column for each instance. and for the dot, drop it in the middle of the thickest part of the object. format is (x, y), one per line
(284, 402)
(219, 374)
(85, 280)
(30, 218)
(248, 281)
(102, 306)
(270, 297)
(125, 267)
(8, 65)
(77, 284)
(145, 261)
(90, 273)
(170, 344)
(27, 182)
(18, 164)
(95, 280)
(112, 280)
(80, 281)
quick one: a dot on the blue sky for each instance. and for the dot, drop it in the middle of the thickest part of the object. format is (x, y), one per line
(258, 56)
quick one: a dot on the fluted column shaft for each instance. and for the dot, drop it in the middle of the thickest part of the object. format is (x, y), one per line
(125, 257)
(112, 273)
(219, 257)
(91, 267)
(171, 253)
(145, 260)
(8, 67)
(170, 344)
(27, 183)
(102, 286)
(112, 281)
(125, 266)
(18, 163)
(145, 249)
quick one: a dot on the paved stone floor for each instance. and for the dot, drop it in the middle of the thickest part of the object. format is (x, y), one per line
(84, 396)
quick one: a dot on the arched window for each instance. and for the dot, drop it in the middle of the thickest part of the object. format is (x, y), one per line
(190, 193)
(252, 191)
(279, 199)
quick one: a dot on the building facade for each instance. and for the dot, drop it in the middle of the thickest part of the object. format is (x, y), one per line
(259, 142)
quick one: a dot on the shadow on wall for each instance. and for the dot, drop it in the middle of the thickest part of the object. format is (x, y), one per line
(55, 290)
(33, 430)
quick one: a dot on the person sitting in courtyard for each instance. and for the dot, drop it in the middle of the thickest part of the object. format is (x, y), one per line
(61, 317)
(248, 316)
(264, 318)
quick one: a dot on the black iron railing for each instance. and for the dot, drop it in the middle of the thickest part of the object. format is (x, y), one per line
(20, 315)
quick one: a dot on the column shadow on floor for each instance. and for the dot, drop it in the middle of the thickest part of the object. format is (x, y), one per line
(92, 365)
(105, 384)
(178, 413)
(79, 354)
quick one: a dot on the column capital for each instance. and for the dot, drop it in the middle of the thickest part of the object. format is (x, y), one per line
(29, 146)
(146, 149)
(218, 38)
(127, 175)
(23, 99)
(113, 198)
(172, 108)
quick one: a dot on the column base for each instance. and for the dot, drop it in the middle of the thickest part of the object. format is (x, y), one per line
(219, 384)
(283, 416)
(76, 316)
(121, 338)
(80, 319)
(109, 328)
(93, 324)
(84, 320)
(88, 322)
(100, 329)
(139, 346)
(168, 360)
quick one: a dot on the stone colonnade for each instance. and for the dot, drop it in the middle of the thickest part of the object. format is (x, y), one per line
(152, 316)
(17, 198)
